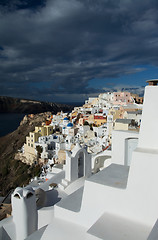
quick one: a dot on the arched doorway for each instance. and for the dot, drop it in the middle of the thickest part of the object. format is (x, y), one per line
(130, 146)
(80, 164)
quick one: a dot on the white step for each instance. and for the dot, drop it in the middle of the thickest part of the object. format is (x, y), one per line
(61, 186)
(65, 182)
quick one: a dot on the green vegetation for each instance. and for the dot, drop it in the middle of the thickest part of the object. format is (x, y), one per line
(39, 150)
(91, 126)
(86, 123)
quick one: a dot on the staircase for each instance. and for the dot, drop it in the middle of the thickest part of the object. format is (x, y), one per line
(64, 183)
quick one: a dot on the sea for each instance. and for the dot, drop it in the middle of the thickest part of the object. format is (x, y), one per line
(9, 122)
(74, 104)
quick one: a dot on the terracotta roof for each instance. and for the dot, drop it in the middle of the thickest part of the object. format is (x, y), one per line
(99, 117)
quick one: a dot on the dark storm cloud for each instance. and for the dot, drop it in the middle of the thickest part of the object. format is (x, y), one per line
(58, 46)
(12, 5)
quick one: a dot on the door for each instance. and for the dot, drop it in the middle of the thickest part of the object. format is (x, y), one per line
(130, 146)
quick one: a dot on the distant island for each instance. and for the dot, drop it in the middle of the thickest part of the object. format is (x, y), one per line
(17, 105)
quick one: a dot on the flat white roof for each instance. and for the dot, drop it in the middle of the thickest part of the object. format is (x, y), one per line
(114, 176)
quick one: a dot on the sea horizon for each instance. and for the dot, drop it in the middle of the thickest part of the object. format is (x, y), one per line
(75, 104)
(9, 122)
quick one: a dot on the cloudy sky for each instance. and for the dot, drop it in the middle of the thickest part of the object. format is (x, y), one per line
(67, 50)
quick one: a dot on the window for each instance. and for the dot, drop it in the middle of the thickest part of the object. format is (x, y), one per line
(29, 195)
(17, 196)
(28, 144)
(31, 145)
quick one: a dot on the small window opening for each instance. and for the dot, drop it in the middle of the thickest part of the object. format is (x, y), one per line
(17, 196)
(29, 195)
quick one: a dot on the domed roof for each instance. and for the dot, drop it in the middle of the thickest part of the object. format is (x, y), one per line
(70, 125)
(66, 118)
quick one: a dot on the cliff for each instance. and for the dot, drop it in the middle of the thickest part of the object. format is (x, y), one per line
(16, 105)
(14, 173)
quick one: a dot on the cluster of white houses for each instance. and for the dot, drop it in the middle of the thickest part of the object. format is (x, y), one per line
(100, 178)
(91, 124)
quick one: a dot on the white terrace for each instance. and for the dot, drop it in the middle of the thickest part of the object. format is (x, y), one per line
(119, 202)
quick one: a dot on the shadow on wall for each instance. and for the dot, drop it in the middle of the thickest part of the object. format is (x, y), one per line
(52, 197)
(99, 163)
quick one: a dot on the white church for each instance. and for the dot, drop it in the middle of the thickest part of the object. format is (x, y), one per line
(119, 202)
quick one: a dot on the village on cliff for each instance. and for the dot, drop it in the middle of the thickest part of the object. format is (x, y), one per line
(90, 125)
(99, 173)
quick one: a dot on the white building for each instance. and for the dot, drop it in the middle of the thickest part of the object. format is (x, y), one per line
(48, 144)
(100, 131)
(106, 97)
(117, 203)
(136, 115)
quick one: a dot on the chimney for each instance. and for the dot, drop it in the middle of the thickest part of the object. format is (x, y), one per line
(152, 82)
(24, 212)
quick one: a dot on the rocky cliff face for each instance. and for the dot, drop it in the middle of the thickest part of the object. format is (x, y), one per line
(14, 173)
(15, 105)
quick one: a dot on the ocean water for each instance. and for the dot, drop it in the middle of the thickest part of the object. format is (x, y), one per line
(9, 122)
(74, 104)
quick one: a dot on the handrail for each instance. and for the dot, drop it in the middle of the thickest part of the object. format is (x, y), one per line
(6, 196)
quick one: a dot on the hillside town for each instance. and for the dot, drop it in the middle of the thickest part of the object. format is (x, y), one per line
(90, 125)
(92, 144)
(78, 120)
